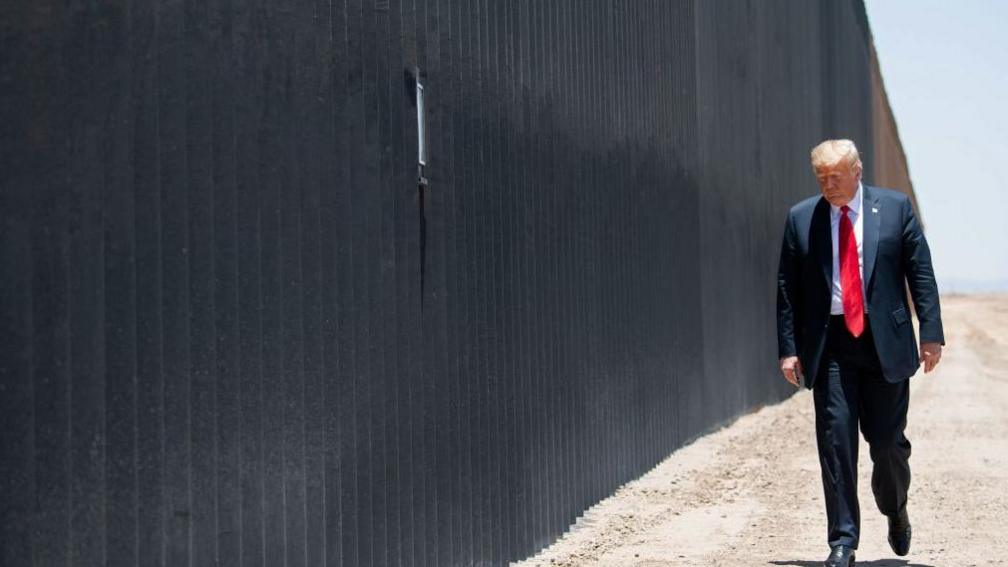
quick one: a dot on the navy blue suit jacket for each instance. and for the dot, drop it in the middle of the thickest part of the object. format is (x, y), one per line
(896, 255)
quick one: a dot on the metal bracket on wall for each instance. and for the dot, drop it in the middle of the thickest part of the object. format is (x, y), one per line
(415, 86)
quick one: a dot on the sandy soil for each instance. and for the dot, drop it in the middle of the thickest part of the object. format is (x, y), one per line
(750, 494)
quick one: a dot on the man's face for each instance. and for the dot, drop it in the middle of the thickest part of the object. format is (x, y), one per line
(838, 182)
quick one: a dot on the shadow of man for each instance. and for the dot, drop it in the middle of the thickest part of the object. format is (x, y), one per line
(874, 563)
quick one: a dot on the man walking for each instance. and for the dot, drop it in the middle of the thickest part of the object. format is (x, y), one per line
(843, 327)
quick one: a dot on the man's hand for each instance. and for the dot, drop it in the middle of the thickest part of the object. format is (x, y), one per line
(930, 355)
(791, 368)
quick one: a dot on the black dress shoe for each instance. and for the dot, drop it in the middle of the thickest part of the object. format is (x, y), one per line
(840, 556)
(899, 533)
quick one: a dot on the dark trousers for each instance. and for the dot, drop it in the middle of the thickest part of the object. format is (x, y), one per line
(850, 389)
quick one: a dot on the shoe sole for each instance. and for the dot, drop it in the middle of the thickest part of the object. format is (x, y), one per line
(851, 564)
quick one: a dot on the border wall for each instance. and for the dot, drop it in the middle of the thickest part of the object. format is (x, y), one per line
(235, 330)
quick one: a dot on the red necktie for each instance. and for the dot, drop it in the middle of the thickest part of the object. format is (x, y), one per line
(850, 276)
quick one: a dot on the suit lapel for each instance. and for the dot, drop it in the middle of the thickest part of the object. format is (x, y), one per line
(822, 239)
(871, 220)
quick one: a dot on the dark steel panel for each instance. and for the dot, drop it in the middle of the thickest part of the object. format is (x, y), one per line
(19, 443)
(293, 104)
(226, 470)
(90, 84)
(437, 346)
(147, 272)
(250, 100)
(334, 248)
(200, 267)
(42, 418)
(120, 313)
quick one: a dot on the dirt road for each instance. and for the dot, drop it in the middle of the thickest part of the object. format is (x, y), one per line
(750, 494)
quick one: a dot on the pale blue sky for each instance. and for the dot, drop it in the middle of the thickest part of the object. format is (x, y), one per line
(945, 67)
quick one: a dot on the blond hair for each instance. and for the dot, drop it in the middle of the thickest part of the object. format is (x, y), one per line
(831, 152)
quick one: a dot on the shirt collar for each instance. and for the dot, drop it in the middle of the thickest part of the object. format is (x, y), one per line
(854, 204)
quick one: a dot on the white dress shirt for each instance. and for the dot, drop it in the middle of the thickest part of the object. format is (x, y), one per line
(856, 207)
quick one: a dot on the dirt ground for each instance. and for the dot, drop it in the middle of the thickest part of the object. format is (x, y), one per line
(750, 494)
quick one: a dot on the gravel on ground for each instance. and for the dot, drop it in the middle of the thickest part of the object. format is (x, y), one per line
(750, 494)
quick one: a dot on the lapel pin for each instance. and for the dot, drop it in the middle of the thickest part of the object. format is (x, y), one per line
(874, 210)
